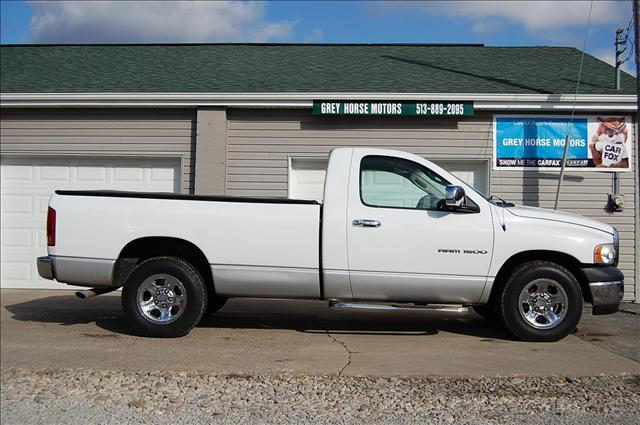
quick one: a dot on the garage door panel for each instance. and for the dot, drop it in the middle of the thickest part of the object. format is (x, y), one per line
(53, 174)
(19, 272)
(17, 237)
(16, 174)
(91, 174)
(17, 204)
(27, 184)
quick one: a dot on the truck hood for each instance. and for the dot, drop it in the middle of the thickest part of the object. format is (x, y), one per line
(564, 217)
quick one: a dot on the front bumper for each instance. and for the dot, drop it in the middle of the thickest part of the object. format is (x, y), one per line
(606, 285)
(45, 267)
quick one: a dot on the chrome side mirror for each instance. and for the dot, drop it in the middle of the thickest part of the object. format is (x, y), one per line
(454, 196)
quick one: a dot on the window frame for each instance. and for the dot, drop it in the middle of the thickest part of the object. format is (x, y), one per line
(360, 169)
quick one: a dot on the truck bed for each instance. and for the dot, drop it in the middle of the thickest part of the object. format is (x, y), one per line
(249, 242)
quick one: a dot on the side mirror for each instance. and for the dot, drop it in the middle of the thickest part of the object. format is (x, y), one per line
(454, 196)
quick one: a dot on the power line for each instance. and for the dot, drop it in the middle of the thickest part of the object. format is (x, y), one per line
(627, 31)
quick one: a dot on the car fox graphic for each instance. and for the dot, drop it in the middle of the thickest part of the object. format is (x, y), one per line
(608, 145)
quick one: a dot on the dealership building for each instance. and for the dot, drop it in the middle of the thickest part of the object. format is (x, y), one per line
(261, 119)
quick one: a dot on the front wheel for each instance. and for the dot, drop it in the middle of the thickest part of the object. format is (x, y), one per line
(541, 301)
(164, 297)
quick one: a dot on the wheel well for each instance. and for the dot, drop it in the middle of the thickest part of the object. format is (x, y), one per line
(142, 249)
(565, 260)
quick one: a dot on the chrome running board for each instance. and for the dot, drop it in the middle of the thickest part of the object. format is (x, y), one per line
(343, 305)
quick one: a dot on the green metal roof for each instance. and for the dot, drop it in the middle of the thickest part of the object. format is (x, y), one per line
(273, 68)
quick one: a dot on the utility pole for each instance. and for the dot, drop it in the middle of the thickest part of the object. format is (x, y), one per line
(636, 27)
(619, 50)
(636, 18)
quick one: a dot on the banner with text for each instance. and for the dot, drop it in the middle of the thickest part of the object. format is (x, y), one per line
(595, 143)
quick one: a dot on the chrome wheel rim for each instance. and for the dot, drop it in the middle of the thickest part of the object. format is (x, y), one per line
(543, 303)
(161, 299)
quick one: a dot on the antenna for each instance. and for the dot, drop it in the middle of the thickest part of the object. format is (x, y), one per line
(573, 110)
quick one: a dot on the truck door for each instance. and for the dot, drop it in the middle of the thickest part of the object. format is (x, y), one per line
(401, 245)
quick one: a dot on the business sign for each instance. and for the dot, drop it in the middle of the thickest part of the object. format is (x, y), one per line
(392, 108)
(595, 143)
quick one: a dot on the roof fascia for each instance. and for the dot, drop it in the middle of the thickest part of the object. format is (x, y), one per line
(542, 102)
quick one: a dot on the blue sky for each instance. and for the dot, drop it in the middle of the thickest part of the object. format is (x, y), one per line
(501, 23)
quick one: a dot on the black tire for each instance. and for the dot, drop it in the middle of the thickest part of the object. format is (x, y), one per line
(174, 269)
(558, 279)
(487, 311)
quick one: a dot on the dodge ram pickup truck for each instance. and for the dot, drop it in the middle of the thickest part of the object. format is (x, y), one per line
(394, 231)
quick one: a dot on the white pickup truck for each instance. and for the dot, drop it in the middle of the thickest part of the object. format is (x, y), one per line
(394, 231)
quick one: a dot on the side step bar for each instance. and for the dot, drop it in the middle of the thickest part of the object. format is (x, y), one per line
(344, 305)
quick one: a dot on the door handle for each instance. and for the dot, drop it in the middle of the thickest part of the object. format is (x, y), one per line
(364, 222)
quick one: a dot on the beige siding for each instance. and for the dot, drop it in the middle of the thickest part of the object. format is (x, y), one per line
(260, 143)
(126, 132)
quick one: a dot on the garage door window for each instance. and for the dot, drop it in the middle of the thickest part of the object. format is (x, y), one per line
(306, 178)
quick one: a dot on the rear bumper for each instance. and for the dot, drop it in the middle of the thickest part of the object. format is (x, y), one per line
(606, 285)
(45, 267)
(79, 271)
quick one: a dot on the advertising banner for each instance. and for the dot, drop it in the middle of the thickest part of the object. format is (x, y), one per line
(537, 142)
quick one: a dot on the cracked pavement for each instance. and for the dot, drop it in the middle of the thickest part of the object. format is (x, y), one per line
(44, 329)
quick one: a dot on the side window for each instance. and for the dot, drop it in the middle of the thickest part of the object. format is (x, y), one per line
(399, 183)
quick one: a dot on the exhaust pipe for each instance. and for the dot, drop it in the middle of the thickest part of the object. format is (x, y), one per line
(90, 293)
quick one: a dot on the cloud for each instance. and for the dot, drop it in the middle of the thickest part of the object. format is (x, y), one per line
(534, 15)
(315, 36)
(545, 19)
(154, 21)
(487, 26)
(608, 56)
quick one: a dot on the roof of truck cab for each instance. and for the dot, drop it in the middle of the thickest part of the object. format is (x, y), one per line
(303, 68)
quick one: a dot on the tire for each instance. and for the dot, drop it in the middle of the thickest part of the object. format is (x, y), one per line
(487, 311)
(541, 301)
(164, 297)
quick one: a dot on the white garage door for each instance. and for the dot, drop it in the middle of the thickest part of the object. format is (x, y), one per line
(306, 178)
(475, 173)
(306, 175)
(26, 184)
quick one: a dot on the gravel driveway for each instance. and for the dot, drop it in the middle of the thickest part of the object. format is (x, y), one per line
(79, 396)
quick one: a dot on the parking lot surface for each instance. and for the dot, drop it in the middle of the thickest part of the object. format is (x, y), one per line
(72, 361)
(45, 328)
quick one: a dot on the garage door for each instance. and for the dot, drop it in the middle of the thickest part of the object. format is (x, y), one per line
(306, 175)
(26, 185)
(474, 173)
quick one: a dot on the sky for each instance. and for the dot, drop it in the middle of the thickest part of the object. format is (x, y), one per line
(494, 23)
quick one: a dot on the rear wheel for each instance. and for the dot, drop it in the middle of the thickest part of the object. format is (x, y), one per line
(164, 297)
(541, 301)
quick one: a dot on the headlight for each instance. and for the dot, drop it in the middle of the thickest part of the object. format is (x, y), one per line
(605, 254)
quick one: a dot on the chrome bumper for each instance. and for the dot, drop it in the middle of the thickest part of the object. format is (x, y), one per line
(79, 271)
(606, 284)
(45, 267)
(606, 296)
